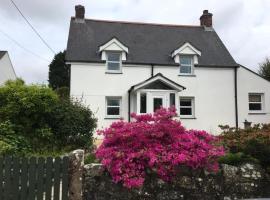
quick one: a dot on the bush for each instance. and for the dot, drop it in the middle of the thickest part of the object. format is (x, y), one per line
(73, 123)
(157, 144)
(39, 119)
(253, 144)
(11, 143)
(90, 158)
(237, 159)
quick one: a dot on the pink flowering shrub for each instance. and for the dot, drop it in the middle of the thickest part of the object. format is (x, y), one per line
(156, 143)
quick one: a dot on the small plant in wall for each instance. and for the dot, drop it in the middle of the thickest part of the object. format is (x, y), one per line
(157, 143)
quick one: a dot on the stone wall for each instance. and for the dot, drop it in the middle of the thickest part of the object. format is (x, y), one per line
(246, 181)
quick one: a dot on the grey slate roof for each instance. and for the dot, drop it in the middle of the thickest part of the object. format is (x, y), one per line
(147, 43)
(2, 53)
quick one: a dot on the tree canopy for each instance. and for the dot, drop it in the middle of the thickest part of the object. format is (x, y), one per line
(59, 72)
(264, 70)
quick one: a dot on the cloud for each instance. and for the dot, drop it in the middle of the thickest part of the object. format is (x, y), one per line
(242, 25)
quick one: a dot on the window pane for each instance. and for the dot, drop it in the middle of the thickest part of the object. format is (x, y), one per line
(158, 102)
(185, 60)
(113, 111)
(185, 102)
(113, 56)
(143, 103)
(254, 98)
(172, 99)
(255, 106)
(113, 66)
(185, 111)
(113, 102)
(185, 69)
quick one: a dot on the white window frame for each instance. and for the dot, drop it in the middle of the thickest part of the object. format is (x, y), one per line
(192, 107)
(261, 102)
(106, 106)
(120, 62)
(185, 65)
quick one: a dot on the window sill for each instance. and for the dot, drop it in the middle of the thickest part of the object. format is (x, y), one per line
(188, 118)
(257, 113)
(187, 75)
(112, 117)
(113, 72)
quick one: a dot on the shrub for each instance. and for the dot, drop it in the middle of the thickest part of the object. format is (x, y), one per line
(41, 120)
(90, 158)
(236, 159)
(73, 123)
(154, 143)
(11, 143)
(253, 143)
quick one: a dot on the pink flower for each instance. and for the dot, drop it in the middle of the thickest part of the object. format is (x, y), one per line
(154, 142)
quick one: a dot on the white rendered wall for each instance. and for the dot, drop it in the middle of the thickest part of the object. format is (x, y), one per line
(6, 69)
(212, 88)
(249, 82)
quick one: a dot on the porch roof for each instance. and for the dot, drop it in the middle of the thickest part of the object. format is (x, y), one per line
(158, 77)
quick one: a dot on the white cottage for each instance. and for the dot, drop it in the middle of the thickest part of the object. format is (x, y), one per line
(124, 67)
(6, 69)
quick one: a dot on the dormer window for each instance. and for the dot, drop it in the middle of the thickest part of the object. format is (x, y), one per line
(113, 52)
(114, 61)
(187, 56)
(186, 64)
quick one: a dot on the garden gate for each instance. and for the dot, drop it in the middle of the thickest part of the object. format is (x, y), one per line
(33, 178)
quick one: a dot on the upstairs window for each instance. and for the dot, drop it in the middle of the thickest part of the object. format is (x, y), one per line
(255, 102)
(114, 62)
(186, 65)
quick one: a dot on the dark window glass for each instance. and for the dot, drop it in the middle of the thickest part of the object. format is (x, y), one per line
(113, 66)
(254, 98)
(185, 69)
(158, 102)
(185, 102)
(113, 111)
(113, 56)
(113, 61)
(185, 60)
(186, 106)
(113, 102)
(255, 106)
(172, 99)
(185, 111)
(143, 103)
(113, 106)
(186, 64)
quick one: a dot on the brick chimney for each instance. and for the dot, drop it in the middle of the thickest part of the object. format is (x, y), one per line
(80, 11)
(206, 19)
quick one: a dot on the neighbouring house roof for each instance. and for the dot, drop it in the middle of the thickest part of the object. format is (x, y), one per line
(159, 77)
(147, 43)
(2, 53)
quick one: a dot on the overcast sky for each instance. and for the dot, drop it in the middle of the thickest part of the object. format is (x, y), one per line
(243, 25)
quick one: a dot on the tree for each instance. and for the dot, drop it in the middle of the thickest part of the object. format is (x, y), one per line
(59, 72)
(264, 70)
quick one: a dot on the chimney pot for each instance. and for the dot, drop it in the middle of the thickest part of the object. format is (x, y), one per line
(206, 19)
(80, 11)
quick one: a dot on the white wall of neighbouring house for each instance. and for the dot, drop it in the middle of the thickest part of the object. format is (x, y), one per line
(249, 82)
(212, 88)
(6, 69)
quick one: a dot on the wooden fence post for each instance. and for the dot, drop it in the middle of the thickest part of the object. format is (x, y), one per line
(75, 172)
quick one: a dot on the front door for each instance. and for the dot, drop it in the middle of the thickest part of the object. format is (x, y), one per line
(159, 100)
